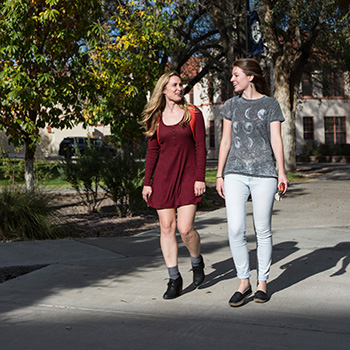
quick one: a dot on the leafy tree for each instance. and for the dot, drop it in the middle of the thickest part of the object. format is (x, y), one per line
(213, 30)
(293, 31)
(45, 75)
(127, 60)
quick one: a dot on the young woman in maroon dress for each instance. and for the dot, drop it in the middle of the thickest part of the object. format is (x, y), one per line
(175, 174)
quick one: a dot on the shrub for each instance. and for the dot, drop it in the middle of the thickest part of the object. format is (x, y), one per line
(45, 170)
(13, 170)
(313, 148)
(120, 177)
(122, 180)
(84, 174)
(27, 215)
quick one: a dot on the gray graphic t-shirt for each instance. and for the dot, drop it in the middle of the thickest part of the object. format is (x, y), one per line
(251, 153)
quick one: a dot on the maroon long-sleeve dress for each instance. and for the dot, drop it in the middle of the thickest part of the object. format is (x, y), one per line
(175, 163)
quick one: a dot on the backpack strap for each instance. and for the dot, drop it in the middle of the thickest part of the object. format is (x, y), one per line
(193, 111)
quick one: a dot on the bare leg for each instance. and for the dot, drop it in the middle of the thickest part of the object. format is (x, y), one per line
(262, 286)
(185, 225)
(191, 239)
(244, 284)
(168, 242)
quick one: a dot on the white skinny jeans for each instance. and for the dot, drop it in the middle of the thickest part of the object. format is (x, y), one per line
(262, 191)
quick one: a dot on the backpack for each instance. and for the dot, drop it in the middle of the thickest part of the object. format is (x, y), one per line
(193, 110)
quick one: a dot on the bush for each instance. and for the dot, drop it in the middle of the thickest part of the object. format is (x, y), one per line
(13, 170)
(84, 174)
(45, 170)
(313, 148)
(120, 177)
(122, 180)
(27, 215)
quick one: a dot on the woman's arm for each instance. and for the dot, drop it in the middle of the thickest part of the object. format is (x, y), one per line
(277, 147)
(151, 161)
(201, 154)
(225, 146)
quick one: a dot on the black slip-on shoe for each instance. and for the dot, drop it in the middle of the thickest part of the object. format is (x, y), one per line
(261, 297)
(239, 298)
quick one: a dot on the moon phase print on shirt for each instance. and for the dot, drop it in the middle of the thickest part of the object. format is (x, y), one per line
(247, 132)
(238, 142)
(260, 129)
(262, 114)
(248, 128)
(236, 127)
(250, 142)
(234, 114)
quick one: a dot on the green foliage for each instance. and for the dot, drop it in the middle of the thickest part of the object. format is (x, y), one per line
(96, 175)
(45, 171)
(321, 149)
(44, 72)
(27, 215)
(13, 170)
(127, 60)
(84, 175)
(123, 181)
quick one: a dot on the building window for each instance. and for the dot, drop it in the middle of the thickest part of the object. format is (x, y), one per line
(308, 124)
(306, 85)
(335, 130)
(211, 134)
(333, 84)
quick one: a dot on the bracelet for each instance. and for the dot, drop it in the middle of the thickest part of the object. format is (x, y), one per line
(219, 177)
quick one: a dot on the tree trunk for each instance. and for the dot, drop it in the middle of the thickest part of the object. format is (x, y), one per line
(285, 98)
(29, 168)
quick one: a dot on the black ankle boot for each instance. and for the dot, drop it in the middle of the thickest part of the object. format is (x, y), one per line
(198, 273)
(174, 289)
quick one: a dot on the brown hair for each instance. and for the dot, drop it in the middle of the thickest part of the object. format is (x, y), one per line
(251, 66)
(156, 104)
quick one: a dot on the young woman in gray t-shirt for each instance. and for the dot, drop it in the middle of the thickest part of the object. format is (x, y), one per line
(251, 144)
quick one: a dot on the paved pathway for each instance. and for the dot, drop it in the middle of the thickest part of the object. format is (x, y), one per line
(106, 293)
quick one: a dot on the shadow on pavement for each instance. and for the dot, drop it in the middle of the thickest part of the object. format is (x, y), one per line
(311, 264)
(224, 270)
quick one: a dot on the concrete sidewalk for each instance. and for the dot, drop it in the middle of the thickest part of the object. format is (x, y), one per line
(106, 293)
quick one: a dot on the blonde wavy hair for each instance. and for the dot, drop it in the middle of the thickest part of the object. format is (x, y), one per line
(156, 105)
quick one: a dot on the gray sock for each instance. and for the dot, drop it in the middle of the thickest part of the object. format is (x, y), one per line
(173, 272)
(196, 261)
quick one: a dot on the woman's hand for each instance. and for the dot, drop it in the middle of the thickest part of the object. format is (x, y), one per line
(282, 178)
(146, 192)
(220, 187)
(199, 188)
